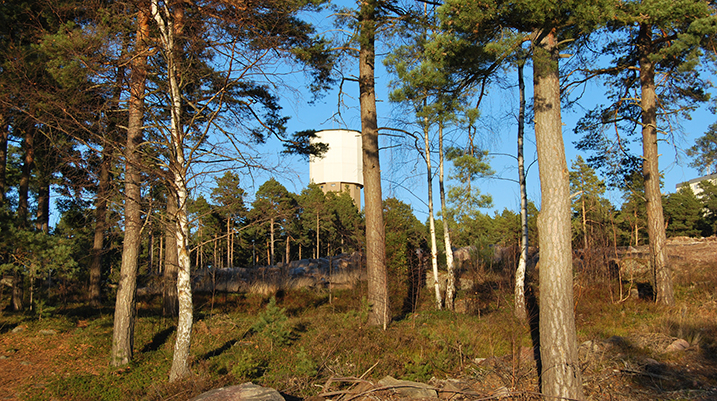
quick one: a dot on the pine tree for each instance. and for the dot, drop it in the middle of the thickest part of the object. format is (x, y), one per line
(481, 27)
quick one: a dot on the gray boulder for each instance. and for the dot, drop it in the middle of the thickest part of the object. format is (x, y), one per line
(243, 392)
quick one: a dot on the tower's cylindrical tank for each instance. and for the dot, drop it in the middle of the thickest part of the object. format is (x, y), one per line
(341, 167)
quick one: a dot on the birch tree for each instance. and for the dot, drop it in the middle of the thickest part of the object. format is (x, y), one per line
(210, 102)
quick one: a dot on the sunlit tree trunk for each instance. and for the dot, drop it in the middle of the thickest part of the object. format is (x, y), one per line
(317, 235)
(450, 268)
(272, 255)
(561, 374)
(379, 314)
(431, 219)
(651, 172)
(171, 262)
(170, 26)
(123, 332)
(520, 307)
(229, 243)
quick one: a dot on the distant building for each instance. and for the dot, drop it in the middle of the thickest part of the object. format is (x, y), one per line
(694, 184)
(341, 167)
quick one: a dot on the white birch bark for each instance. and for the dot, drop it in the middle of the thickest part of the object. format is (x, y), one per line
(431, 220)
(179, 167)
(520, 307)
(451, 284)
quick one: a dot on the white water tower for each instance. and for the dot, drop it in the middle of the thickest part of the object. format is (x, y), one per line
(341, 167)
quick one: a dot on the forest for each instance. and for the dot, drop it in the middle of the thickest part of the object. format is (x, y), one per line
(132, 133)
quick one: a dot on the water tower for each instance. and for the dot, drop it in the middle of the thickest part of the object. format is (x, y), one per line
(341, 167)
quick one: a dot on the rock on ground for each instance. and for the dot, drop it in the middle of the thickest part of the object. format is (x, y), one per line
(243, 392)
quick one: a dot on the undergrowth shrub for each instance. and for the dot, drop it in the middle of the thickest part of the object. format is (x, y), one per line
(273, 325)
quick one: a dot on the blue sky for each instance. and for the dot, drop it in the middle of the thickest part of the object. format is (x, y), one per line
(403, 172)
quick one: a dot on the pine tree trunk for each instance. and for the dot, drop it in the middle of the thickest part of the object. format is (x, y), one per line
(170, 302)
(43, 166)
(520, 307)
(95, 290)
(379, 314)
(584, 222)
(17, 290)
(27, 167)
(451, 283)
(229, 243)
(287, 250)
(125, 308)
(23, 206)
(651, 172)
(272, 255)
(561, 375)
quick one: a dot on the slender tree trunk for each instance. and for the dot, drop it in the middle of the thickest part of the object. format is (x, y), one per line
(17, 290)
(160, 259)
(23, 206)
(431, 219)
(95, 290)
(170, 29)
(317, 235)
(379, 314)
(287, 250)
(123, 333)
(44, 172)
(584, 222)
(4, 135)
(272, 255)
(450, 268)
(651, 172)
(520, 308)
(561, 375)
(170, 302)
(151, 248)
(28, 145)
(229, 243)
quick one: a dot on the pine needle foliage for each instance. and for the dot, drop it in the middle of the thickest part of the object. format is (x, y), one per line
(273, 324)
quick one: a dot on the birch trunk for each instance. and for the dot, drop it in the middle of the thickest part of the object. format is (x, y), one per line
(450, 268)
(169, 28)
(561, 375)
(520, 307)
(431, 220)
